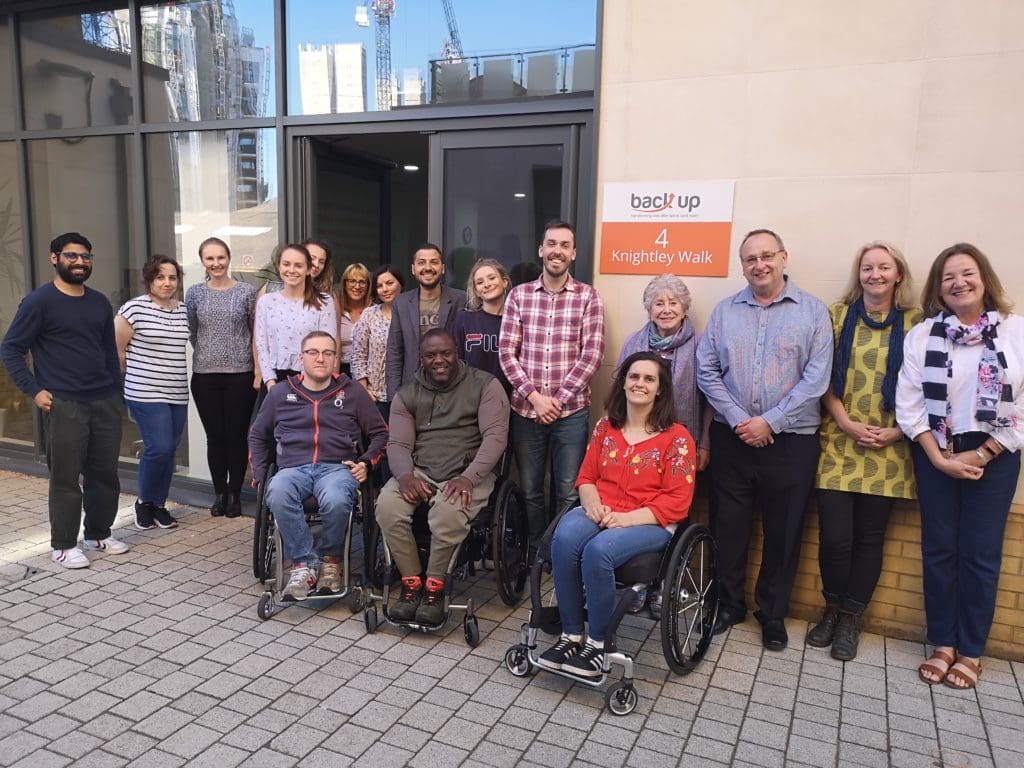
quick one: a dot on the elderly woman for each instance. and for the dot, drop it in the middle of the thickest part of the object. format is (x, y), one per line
(960, 397)
(865, 462)
(670, 334)
(635, 485)
(152, 331)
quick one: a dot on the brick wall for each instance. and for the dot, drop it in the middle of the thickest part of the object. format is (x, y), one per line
(897, 609)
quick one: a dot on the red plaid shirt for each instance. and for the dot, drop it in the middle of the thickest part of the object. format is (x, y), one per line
(551, 343)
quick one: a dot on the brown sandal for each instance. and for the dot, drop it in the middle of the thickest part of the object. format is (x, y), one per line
(967, 670)
(938, 665)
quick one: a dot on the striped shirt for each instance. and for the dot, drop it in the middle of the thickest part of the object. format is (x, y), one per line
(155, 369)
(551, 343)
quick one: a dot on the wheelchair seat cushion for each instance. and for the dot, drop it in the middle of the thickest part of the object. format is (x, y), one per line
(643, 568)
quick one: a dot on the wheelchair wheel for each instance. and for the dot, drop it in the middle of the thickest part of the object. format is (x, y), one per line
(471, 631)
(689, 599)
(265, 607)
(370, 619)
(517, 661)
(510, 544)
(621, 699)
(373, 550)
(264, 550)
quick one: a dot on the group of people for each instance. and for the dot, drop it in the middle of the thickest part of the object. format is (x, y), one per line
(779, 396)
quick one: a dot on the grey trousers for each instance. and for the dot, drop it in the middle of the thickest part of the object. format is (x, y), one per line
(83, 441)
(449, 524)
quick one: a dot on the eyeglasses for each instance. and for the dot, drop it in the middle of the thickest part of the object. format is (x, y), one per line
(74, 256)
(327, 354)
(363, 283)
(764, 258)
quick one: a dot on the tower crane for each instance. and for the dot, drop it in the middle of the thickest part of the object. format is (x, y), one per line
(453, 49)
(383, 10)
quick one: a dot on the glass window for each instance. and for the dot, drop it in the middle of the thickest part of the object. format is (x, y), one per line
(219, 183)
(83, 184)
(496, 201)
(6, 100)
(208, 60)
(15, 406)
(76, 69)
(392, 55)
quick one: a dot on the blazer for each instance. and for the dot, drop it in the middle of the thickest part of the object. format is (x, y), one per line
(403, 358)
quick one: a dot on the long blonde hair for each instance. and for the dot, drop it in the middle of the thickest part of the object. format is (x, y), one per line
(354, 272)
(473, 301)
(903, 295)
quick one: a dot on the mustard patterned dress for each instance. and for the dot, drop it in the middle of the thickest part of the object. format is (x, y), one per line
(844, 465)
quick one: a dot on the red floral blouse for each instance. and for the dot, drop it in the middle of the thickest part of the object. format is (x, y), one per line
(657, 473)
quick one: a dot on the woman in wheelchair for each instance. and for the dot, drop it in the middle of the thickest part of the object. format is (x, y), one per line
(635, 485)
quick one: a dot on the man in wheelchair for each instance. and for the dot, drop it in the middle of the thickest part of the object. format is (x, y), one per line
(310, 425)
(449, 428)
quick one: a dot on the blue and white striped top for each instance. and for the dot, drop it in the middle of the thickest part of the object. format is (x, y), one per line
(156, 370)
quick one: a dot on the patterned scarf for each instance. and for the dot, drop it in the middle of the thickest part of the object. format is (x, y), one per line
(993, 396)
(844, 349)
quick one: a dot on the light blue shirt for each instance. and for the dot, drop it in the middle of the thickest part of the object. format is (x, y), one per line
(773, 361)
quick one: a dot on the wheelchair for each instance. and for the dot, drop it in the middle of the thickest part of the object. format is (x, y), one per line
(681, 585)
(499, 533)
(268, 565)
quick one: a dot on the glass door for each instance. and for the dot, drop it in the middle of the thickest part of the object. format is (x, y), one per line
(491, 191)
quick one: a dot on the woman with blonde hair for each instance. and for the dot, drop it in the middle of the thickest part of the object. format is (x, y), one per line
(353, 296)
(477, 329)
(864, 464)
(961, 400)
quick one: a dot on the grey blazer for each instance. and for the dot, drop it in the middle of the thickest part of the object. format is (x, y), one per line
(403, 358)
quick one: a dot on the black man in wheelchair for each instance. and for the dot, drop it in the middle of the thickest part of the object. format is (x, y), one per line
(449, 429)
(311, 427)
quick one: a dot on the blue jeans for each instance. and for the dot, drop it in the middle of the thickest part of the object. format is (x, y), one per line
(160, 426)
(566, 442)
(335, 489)
(584, 558)
(962, 528)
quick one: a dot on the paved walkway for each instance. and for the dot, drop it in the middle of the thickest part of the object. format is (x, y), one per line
(157, 658)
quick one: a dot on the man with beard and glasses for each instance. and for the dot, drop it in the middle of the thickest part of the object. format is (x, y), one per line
(449, 428)
(413, 313)
(75, 380)
(551, 345)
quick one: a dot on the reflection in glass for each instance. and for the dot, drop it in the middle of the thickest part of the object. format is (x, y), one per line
(208, 60)
(83, 184)
(6, 103)
(496, 201)
(76, 69)
(392, 55)
(220, 183)
(15, 406)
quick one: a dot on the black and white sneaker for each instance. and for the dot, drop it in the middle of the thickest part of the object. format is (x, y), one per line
(144, 519)
(589, 662)
(164, 518)
(557, 655)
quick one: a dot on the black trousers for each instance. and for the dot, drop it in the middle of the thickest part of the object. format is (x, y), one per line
(83, 440)
(224, 402)
(780, 477)
(851, 536)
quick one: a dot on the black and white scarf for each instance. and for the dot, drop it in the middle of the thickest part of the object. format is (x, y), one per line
(993, 394)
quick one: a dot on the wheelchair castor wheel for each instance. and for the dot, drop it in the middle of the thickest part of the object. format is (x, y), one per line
(517, 661)
(265, 607)
(621, 699)
(370, 619)
(471, 631)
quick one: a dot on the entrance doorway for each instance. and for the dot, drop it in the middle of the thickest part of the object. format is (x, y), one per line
(475, 192)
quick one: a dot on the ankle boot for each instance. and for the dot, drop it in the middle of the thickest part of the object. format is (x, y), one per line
(847, 636)
(234, 506)
(820, 635)
(219, 506)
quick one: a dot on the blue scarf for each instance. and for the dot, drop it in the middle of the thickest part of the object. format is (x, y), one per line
(844, 350)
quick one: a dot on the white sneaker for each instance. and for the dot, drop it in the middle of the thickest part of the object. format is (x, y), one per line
(70, 558)
(109, 545)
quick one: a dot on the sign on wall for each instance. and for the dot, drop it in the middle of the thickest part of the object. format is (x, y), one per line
(676, 227)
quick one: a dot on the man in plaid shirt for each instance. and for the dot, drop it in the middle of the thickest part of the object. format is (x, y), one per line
(551, 345)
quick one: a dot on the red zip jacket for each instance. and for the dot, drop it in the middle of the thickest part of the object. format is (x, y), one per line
(296, 427)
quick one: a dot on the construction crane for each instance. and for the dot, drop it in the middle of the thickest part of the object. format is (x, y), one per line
(453, 48)
(383, 10)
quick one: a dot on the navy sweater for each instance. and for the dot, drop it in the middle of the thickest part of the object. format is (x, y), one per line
(71, 338)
